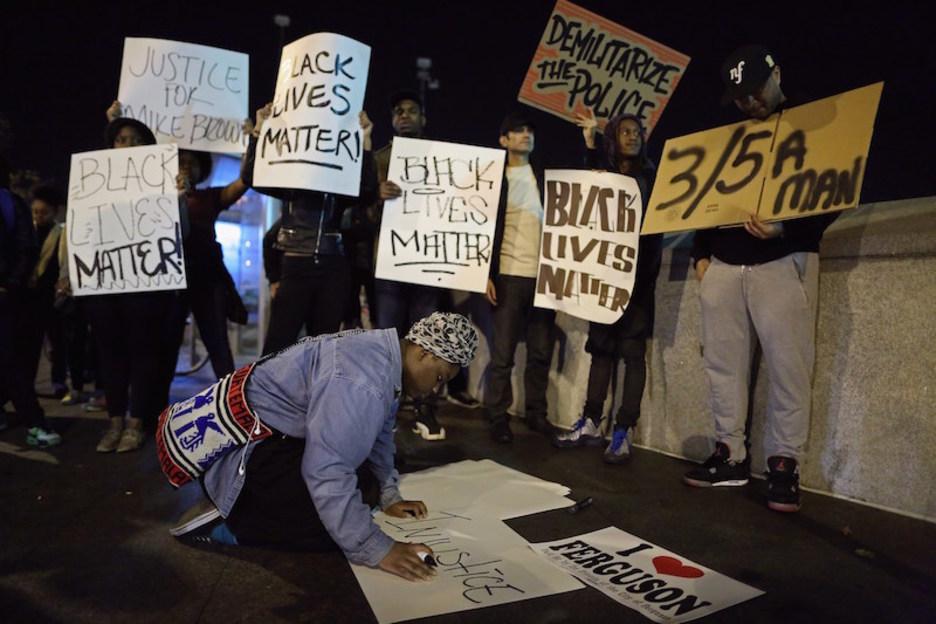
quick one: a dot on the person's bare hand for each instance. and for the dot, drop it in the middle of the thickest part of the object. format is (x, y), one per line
(274, 286)
(403, 560)
(589, 125)
(701, 266)
(407, 509)
(491, 293)
(247, 126)
(367, 128)
(762, 230)
(389, 190)
(114, 111)
(262, 115)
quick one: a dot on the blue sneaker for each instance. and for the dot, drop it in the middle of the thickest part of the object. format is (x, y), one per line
(584, 433)
(619, 451)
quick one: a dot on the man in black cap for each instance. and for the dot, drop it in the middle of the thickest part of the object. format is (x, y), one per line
(760, 284)
(512, 285)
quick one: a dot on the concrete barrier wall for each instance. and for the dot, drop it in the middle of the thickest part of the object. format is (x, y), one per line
(873, 429)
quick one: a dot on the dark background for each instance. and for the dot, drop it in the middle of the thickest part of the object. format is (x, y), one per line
(60, 66)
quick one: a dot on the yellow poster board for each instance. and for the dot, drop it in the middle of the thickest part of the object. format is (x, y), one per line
(818, 162)
(803, 161)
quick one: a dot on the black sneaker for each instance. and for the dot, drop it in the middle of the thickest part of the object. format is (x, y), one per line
(500, 431)
(426, 424)
(782, 484)
(719, 470)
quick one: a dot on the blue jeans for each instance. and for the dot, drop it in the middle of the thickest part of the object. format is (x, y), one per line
(513, 314)
(400, 304)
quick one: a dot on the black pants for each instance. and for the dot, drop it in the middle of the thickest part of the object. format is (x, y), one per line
(14, 385)
(312, 292)
(274, 508)
(130, 330)
(625, 340)
(41, 319)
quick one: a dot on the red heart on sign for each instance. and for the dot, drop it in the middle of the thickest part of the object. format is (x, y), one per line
(674, 567)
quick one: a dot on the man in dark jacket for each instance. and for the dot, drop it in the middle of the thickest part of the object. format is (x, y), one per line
(19, 251)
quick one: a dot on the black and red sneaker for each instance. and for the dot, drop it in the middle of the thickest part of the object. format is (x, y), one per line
(720, 470)
(782, 484)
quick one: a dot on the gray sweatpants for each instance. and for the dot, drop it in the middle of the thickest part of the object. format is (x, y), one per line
(774, 303)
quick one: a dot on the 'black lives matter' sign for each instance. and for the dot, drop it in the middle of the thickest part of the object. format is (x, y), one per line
(189, 94)
(801, 162)
(586, 61)
(122, 225)
(588, 255)
(440, 231)
(313, 139)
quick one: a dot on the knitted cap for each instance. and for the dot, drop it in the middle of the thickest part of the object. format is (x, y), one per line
(447, 335)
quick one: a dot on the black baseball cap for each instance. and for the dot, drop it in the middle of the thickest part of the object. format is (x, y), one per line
(405, 94)
(516, 120)
(745, 71)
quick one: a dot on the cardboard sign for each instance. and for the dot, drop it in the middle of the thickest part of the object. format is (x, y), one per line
(588, 254)
(797, 163)
(313, 140)
(584, 60)
(122, 223)
(655, 582)
(189, 94)
(440, 232)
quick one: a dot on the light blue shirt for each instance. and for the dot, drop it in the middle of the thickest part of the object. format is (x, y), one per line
(340, 393)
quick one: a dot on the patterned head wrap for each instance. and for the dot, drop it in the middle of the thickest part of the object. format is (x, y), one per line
(449, 336)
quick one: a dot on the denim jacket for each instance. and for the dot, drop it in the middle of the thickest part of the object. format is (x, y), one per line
(340, 393)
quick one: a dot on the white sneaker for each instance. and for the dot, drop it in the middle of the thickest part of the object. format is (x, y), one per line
(584, 433)
(200, 514)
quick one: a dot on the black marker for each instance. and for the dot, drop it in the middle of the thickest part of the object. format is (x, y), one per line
(427, 559)
(579, 506)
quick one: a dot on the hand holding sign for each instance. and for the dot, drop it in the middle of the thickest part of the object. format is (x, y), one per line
(802, 161)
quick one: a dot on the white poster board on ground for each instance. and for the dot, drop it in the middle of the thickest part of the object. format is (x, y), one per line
(122, 224)
(653, 581)
(588, 254)
(313, 139)
(189, 94)
(482, 562)
(440, 232)
(486, 487)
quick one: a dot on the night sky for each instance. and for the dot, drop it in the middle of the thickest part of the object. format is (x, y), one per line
(60, 66)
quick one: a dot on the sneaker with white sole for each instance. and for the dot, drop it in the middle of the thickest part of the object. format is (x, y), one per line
(131, 440)
(109, 441)
(719, 470)
(426, 424)
(782, 484)
(198, 515)
(619, 451)
(462, 399)
(584, 433)
(42, 437)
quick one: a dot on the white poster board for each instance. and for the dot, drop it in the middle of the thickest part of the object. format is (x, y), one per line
(653, 581)
(189, 94)
(588, 254)
(440, 232)
(481, 563)
(122, 223)
(313, 139)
